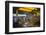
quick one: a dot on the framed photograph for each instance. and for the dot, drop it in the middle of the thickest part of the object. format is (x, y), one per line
(24, 17)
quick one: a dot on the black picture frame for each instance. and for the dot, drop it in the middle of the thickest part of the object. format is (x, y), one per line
(7, 17)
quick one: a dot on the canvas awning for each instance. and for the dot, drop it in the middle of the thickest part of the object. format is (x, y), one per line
(26, 9)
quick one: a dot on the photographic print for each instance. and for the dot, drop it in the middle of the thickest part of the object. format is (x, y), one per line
(24, 17)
